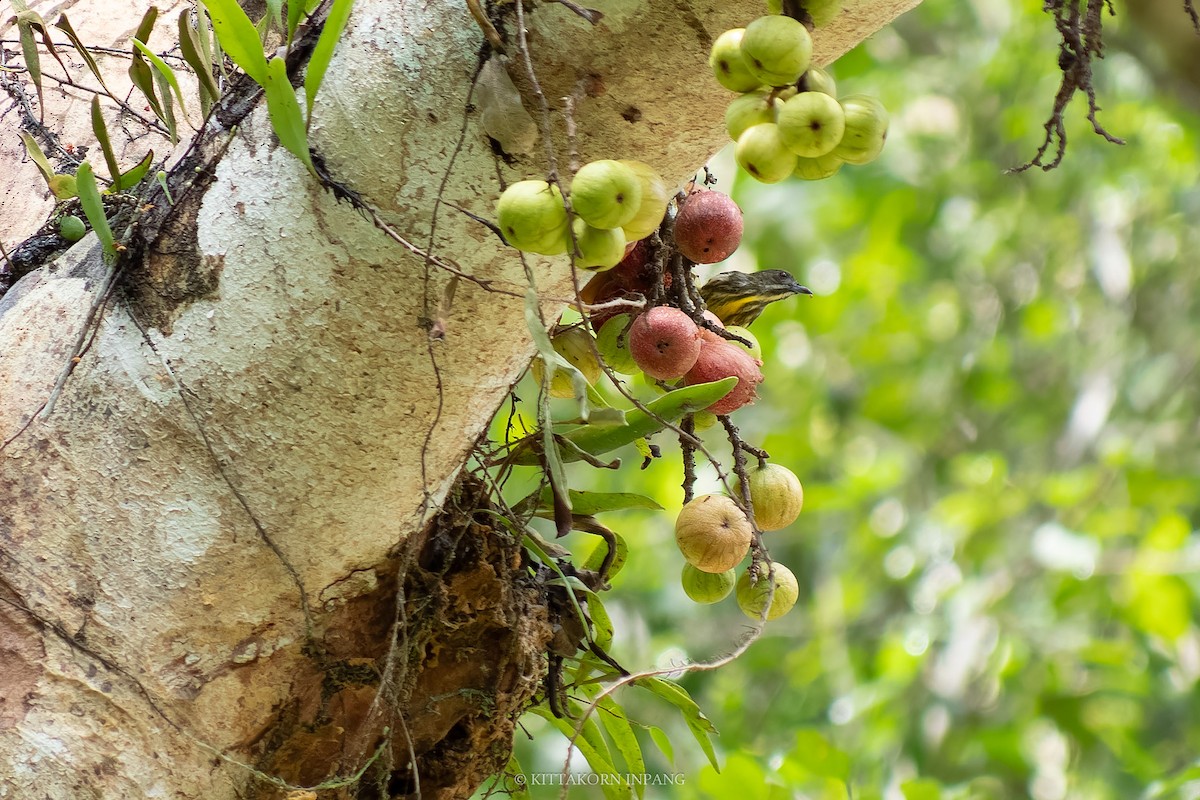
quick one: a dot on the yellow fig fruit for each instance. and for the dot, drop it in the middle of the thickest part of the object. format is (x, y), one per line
(752, 597)
(712, 533)
(776, 496)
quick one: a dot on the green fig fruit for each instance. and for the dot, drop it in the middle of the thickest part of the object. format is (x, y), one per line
(606, 193)
(752, 597)
(762, 153)
(71, 228)
(727, 63)
(707, 587)
(655, 197)
(612, 340)
(823, 12)
(598, 248)
(750, 109)
(811, 124)
(777, 49)
(815, 169)
(776, 495)
(816, 79)
(866, 129)
(532, 218)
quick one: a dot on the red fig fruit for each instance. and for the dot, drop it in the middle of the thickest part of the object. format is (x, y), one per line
(708, 227)
(664, 342)
(719, 360)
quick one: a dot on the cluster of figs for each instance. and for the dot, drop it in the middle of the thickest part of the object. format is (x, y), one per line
(788, 120)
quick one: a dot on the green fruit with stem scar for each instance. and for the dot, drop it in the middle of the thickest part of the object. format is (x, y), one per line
(816, 79)
(823, 12)
(750, 109)
(811, 124)
(712, 533)
(598, 248)
(606, 193)
(776, 496)
(707, 587)
(652, 209)
(752, 597)
(728, 65)
(866, 129)
(819, 168)
(777, 49)
(761, 152)
(532, 218)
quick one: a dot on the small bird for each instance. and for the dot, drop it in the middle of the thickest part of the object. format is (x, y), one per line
(737, 298)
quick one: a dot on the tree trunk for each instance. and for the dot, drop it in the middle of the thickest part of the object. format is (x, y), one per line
(202, 545)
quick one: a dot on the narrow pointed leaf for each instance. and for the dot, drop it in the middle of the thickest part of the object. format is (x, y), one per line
(93, 208)
(598, 439)
(595, 502)
(284, 110)
(663, 742)
(100, 129)
(295, 11)
(238, 37)
(322, 53)
(32, 61)
(617, 726)
(168, 112)
(591, 744)
(189, 46)
(167, 74)
(275, 14)
(64, 25)
(38, 157)
(146, 26)
(134, 176)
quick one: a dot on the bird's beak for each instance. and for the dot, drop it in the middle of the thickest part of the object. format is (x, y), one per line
(798, 289)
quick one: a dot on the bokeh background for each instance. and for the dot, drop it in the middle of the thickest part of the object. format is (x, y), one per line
(992, 403)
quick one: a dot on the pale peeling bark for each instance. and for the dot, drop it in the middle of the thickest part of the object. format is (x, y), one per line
(279, 428)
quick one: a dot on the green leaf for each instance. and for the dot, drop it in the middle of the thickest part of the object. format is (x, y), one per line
(663, 742)
(37, 156)
(697, 723)
(189, 46)
(93, 208)
(295, 10)
(515, 788)
(167, 73)
(617, 726)
(64, 25)
(275, 13)
(168, 112)
(100, 129)
(588, 503)
(597, 439)
(146, 26)
(591, 744)
(322, 54)
(33, 61)
(238, 38)
(63, 186)
(134, 176)
(595, 559)
(284, 109)
(602, 627)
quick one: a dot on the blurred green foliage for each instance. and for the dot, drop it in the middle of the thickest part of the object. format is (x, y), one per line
(992, 403)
